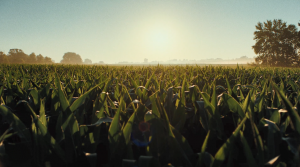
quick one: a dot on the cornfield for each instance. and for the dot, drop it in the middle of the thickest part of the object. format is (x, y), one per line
(125, 116)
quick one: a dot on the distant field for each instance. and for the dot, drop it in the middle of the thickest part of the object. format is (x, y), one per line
(201, 65)
(158, 115)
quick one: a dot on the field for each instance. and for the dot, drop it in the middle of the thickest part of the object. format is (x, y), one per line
(63, 115)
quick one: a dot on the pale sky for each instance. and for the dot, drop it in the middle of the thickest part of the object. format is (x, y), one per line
(131, 30)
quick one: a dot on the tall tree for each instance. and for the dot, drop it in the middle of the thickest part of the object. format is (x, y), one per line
(48, 60)
(276, 43)
(3, 58)
(40, 59)
(17, 56)
(32, 58)
(71, 58)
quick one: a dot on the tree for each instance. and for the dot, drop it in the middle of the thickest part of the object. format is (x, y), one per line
(48, 60)
(276, 43)
(32, 58)
(71, 58)
(3, 58)
(40, 59)
(88, 61)
(17, 56)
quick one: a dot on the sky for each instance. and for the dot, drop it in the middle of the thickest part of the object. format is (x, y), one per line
(132, 30)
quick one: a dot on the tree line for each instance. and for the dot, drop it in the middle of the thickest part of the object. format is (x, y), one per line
(17, 56)
(74, 58)
(277, 44)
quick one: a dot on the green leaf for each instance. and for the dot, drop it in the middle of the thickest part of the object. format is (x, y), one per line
(273, 139)
(34, 84)
(214, 100)
(201, 158)
(291, 111)
(58, 129)
(46, 135)
(155, 109)
(62, 98)
(128, 127)
(102, 120)
(233, 105)
(210, 108)
(169, 102)
(224, 150)
(17, 124)
(3, 136)
(204, 115)
(147, 86)
(114, 131)
(138, 91)
(99, 107)
(247, 101)
(260, 149)
(1, 91)
(35, 97)
(183, 143)
(20, 92)
(228, 86)
(42, 115)
(247, 151)
(179, 117)
(82, 98)
(275, 117)
(207, 159)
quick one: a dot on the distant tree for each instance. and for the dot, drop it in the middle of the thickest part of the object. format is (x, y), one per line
(71, 58)
(40, 59)
(3, 58)
(101, 62)
(48, 60)
(276, 43)
(88, 61)
(17, 56)
(32, 58)
(145, 60)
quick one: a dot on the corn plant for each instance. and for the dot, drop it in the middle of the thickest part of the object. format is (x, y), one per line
(71, 115)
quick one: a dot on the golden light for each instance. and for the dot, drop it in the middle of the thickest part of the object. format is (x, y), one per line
(159, 39)
(159, 36)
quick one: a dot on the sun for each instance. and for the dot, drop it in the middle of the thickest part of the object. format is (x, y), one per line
(159, 39)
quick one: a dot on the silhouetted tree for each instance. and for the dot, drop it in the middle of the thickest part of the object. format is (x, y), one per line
(40, 59)
(47, 60)
(276, 43)
(17, 56)
(32, 58)
(71, 58)
(3, 58)
(88, 61)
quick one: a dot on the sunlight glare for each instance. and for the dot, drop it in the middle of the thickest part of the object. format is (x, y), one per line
(159, 39)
